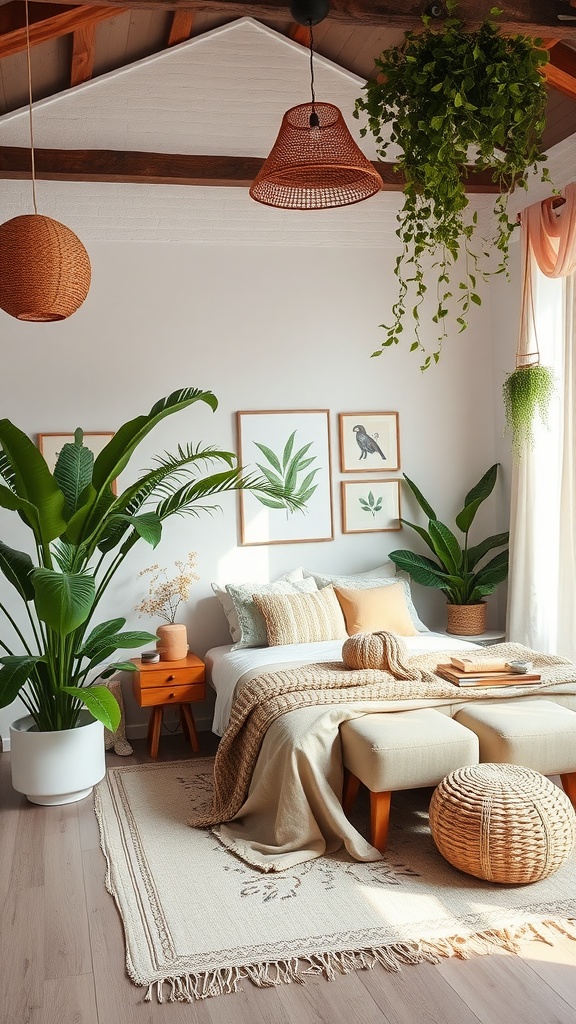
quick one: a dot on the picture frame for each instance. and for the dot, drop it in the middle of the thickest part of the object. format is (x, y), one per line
(51, 443)
(274, 444)
(369, 441)
(370, 506)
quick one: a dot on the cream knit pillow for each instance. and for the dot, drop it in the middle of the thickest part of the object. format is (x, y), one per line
(302, 618)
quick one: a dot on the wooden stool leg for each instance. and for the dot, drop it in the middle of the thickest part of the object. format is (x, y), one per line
(349, 791)
(189, 726)
(154, 728)
(379, 819)
(569, 783)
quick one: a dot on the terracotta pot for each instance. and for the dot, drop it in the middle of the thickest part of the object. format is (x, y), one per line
(172, 642)
(466, 619)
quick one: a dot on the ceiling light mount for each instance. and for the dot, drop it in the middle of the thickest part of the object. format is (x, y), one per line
(309, 12)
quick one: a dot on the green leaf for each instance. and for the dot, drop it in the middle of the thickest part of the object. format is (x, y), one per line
(483, 489)
(478, 552)
(38, 496)
(100, 703)
(63, 600)
(424, 505)
(111, 642)
(446, 547)
(288, 450)
(269, 454)
(73, 470)
(15, 672)
(17, 567)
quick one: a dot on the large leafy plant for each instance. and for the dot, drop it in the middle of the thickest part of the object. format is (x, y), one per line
(455, 569)
(455, 100)
(81, 533)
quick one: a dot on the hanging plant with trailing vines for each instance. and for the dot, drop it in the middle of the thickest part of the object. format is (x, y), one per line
(454, 100)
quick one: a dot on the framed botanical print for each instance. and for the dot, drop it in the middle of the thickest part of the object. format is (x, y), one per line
(369, 441)
(290, 449)
(370, 506)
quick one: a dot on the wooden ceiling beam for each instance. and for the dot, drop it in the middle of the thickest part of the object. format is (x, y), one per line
(532, 17)
(560, 73)
(69, 20)
(168, 168)
(181, 27)
(83, 43)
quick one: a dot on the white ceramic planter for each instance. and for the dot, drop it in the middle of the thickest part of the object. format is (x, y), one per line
(57, 767)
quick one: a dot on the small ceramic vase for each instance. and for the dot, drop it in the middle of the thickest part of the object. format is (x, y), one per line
(172, 641)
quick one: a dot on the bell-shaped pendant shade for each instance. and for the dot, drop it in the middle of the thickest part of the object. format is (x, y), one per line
(44, 269)
(314, 168)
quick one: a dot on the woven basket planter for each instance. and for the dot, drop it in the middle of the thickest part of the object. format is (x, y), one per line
(502, 822)
(466, 619)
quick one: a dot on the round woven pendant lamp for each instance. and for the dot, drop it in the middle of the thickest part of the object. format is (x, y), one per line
(315, 166)
(44, 269)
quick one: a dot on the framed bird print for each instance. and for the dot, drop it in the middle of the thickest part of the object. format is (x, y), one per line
(290, 450)
(370, 506)
(369, 442)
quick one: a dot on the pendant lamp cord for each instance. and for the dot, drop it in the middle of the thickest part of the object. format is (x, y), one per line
(314, 120)
(33, 166)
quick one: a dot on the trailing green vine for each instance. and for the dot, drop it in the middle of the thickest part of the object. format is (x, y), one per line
(455, 100)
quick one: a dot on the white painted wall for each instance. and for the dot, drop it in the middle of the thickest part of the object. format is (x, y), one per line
(264, 328)
(269, 309)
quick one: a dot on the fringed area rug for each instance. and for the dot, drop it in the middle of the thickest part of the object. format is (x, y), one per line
(197, 920)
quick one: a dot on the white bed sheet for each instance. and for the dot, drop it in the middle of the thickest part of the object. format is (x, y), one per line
(226, 667)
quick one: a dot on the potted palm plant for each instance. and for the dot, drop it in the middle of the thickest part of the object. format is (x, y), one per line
(81, 532)
(455, 568)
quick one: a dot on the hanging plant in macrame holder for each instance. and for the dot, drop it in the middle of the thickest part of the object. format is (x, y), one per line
(527, 392)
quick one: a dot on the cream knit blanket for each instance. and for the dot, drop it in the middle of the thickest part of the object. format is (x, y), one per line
(272, 694)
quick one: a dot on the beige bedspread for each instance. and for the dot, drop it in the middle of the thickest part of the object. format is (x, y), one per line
(278, 770)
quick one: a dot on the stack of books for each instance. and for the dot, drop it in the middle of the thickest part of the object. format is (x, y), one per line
(488, 672)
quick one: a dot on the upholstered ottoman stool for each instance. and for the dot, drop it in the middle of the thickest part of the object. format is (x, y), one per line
(502, 822)
(536, 733)
(400, 750)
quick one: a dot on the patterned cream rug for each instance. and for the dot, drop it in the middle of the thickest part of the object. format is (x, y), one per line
(197, 920)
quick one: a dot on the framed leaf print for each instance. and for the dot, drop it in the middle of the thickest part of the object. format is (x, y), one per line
(370, 506)
(369, 441)
(290, 449)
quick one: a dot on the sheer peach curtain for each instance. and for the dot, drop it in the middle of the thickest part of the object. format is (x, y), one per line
(542, 583)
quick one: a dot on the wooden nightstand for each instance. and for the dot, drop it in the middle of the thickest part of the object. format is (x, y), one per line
(170, 682)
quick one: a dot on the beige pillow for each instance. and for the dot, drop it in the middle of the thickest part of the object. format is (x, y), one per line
(375, 609)
(302, 618)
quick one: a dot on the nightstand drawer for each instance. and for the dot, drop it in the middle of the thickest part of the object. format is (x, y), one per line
(171, 677)
(172, 693)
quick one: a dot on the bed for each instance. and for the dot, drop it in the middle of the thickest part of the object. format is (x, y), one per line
(279, 706)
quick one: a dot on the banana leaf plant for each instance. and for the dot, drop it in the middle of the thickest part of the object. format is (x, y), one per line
(81, 534)
(455, 570)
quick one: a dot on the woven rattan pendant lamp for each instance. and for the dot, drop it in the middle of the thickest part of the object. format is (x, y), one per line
(314, 163)
(44, 268)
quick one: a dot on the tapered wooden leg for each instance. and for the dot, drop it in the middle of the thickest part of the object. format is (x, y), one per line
(379, 819)
(189, 726)
(155, 726)
(569, 784)
(349, 791)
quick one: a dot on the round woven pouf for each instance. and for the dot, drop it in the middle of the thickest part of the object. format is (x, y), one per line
(502, 822)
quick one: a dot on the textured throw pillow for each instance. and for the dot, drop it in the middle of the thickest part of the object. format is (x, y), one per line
(375, 609)
(251, 622)
(302, 618)
(362, 581)
(228, 607)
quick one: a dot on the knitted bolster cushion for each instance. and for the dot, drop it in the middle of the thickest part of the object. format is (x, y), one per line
(380, 650)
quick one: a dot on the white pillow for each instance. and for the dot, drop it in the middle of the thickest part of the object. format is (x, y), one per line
(295, 575)
(364, 580)
(250, 618)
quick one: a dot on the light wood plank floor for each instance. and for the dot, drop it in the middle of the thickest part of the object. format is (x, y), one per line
(62, 948)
